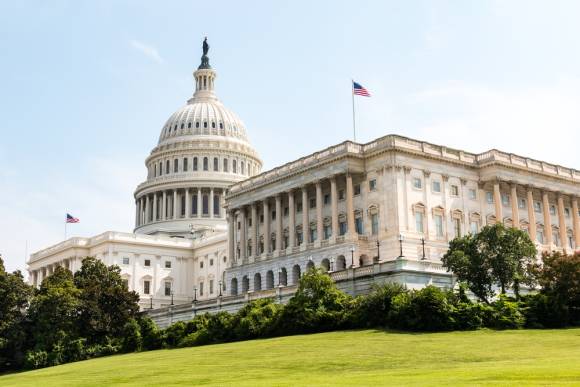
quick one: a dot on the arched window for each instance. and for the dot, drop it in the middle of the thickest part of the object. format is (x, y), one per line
(257, 282)
(225, 165)
(295, 274)
(205, 164)
(197, 124)
(205, 204)
(283, 277)
(175, 165)
(216, 164)
(234, 287)
(325, 264)
(234, 166)
(245, 284)
(160, 168)
(182, 125)
(195, 163)
(221, 125)
(189, 125)
(205, 124)
(269, 279)
(167, 167)
(213, 125)
(185, 164)
(340, 263)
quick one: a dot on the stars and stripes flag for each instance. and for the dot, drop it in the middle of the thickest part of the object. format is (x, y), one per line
(71, 219)
(358, 89)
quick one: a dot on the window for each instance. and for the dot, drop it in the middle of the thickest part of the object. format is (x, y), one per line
(457, 227)
(313, 234)
(274, 215)
(215, 164)
(438, 225)
(242, 170)
(205, 164)
(286, 211)
(125, 283)
(167, 167)
(234, 166)
(552, 210)
(327, 231)
(436, 186)
(521, 203)
(358, 224)
(342, 227)
(454, 190)
(146, 287)
(160, 168)
(201, 265)
(167, 288)
(195, 163)
(205, 123)
(175, 165)
(372, 184)
(201, 288)
(357, 189)
(147, 263)
(299, 237)
(419, 222)
(299, 207)
(489, 197)
(168, 264)
(567, 212)
(472, 194)
(189, 125)
(125, 260)
(417, 183)
(205, 204)
(211, 262)
(313, 203)
(213, 125)
(225, 165)
(538, 207)
(340, 194)
(375, 224)
(473, 227)
(210, 286)
(556, 237)
(216, 206)
(185, 165)
(540, 236)
(197, 124)
(326, 199)
(505, 199)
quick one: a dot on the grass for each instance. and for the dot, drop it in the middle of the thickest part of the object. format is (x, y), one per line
(370, 357)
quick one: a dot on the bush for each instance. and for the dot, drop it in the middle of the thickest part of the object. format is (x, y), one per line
(150, 334)
(543, 311)
(257, 319)
(427, 309)
(506, 314)
(35, 359)
(372, 310)
(132, 340)
(469, 315)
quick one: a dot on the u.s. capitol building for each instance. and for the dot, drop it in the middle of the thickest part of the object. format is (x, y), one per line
(211, 228)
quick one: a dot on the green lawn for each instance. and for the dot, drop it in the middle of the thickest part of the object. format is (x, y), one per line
(339, 358)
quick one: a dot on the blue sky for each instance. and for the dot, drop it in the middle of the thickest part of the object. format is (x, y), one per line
(87, 85)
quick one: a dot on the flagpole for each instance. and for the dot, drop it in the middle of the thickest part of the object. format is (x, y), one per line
(353, 114)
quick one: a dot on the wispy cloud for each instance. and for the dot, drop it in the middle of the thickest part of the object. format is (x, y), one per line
(147, 49)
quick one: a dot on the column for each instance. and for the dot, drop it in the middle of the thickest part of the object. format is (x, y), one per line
(547, 219)
(147, 215)
(531, 215)
(243, 238)
(576, 219)
(164, 206)
(175, 204)
(254, 235)
(199, 203)
(515, 211)
(291, 220)
(231, 238)
(497, 201)
(279, 214)
(137, 213)
(562, 224)
(211, 203)
(155, 207)
(305, 221)
(350, 206)
(142, 213)
(334, 204)
(267, 216)
(319, 204)
(187, 204)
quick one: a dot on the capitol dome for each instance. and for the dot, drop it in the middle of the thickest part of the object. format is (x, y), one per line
(202, 149)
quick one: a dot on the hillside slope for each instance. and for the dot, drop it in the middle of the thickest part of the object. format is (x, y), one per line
(338, 358)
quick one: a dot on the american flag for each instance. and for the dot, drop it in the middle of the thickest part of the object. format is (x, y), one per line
(357, 89)
(71, 219)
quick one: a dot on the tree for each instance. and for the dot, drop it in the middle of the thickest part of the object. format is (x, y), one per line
(106, 304)
(498, 255)
(14, 295)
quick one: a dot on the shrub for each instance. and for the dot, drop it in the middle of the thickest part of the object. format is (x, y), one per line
(427, 309)
(35, 359)
(506, 314)
(543, 311)
(257, 319)
(372, 310)
(173, 334)
(469, 315)
(150, 334)
(132, 340)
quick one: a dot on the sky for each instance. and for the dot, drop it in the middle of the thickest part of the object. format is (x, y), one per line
(86, 86)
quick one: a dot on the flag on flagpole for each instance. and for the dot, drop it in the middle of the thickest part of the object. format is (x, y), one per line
(71, 219)
(358, 89)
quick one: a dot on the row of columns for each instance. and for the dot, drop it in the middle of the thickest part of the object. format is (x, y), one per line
(39, 275)
(547, 220)
(278, 229)
(147, 205)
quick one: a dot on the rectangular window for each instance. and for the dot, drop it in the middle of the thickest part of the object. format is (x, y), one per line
(342, 227)
(372, 184)
(299, 237)
(286, 211)
(436, 186)
(473, 227)
(417, 183)
(357, 189)
(313, 203)
(522, 203)
(540, 236)
(538, 207)
(552, 210)
(505, 199)
(472, 194)
(340, 194)
(375, 224)
(567, 212)
(125, 260)
(168, 264)
(439, 225)
(326, 199)
(299, 207)
(454, 190)
(457, 227)
(147, 263)
(327, 231)
(210, 286)
(358, 223)
(419, 222)
(313, 234)
(167, 288)
(489, 197)
(274, 215)
(201, 288)
(146, 287)
(211, 262)
(556, 237)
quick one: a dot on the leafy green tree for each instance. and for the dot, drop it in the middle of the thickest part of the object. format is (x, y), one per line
(106, 304)
(498, 255)
(14, 297)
